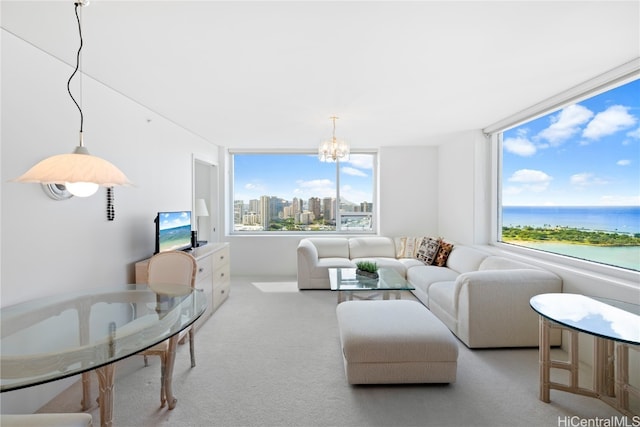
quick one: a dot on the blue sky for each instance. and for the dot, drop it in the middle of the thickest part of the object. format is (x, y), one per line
(303, 176)
(586, 154)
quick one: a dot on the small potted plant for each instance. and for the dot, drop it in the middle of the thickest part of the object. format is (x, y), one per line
(367, 268)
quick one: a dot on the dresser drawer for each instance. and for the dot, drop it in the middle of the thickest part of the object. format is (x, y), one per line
(220, 294)
(221, 256)
(204, 269)
(221, 274)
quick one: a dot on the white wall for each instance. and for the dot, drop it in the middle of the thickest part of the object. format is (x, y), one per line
(53, 246)
(463, 183)
(408, 191)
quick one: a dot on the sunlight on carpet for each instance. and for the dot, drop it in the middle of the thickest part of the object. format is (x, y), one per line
(276, 286)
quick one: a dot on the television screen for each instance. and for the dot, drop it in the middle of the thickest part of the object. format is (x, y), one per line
(173, 231)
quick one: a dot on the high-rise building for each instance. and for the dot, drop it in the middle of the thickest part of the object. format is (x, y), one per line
(329, 209)
(238, 209)
(265, 211)
(254, 205)
(315, 206)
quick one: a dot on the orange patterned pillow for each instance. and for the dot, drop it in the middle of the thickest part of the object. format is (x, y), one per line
(443, 253)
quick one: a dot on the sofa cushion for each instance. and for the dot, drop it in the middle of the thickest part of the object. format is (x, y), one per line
(428, 250)
(465, 258)
(331, 247)
(424, 276)
(371, 247)
(411, 262)
(502, 263)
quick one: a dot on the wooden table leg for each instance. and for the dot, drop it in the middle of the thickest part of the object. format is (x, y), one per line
(544, 355)
(168, 376)
(106, 375)
(86, 391)
(622, 376)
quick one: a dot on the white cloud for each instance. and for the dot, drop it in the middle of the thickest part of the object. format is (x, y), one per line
(360, 161)
(520, 146)
(315, 188)
(586, 179)
(566, 123)
(252, 186)
(609, 121)
(531, 180)
(623, 162)
(352, 171)
(634, 133)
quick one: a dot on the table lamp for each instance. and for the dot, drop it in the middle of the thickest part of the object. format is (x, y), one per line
(201, 210)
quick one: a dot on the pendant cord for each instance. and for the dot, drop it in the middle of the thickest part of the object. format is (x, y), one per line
(76, 70)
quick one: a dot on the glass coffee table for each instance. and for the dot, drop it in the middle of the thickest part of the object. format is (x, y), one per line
(347, 284)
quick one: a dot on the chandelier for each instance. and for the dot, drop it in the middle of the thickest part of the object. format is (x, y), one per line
(80, 172)
(335, 149)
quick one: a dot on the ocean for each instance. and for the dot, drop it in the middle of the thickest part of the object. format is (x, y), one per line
(621, 219)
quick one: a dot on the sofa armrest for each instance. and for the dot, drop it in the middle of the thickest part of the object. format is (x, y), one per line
(308, 250)
(493, 306)
(307, 255)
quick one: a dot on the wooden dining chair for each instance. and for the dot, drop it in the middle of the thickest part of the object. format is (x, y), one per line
(171, 268)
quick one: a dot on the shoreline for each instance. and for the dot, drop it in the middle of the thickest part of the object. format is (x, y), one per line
(570, 236)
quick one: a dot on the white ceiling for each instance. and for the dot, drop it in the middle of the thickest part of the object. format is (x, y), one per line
(269, 74)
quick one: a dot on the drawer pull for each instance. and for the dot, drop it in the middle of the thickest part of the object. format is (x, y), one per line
(222, 291)
(221, 274)
(221, 257)
(200, 270)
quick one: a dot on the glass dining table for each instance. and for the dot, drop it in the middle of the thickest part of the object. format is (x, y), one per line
(47, 339)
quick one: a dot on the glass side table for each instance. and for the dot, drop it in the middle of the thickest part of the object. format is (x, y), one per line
(615, 326)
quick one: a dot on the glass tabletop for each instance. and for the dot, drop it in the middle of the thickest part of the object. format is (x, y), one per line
(346, 279)
(55, 337)
(606, 318)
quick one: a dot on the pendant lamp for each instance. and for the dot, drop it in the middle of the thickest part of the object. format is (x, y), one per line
(334, 149)
(80, 172)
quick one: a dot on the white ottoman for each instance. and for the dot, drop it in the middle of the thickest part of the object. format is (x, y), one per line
(79, 419)
(397, 341)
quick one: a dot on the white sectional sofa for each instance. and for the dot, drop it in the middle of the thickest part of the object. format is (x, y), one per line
(482, 298)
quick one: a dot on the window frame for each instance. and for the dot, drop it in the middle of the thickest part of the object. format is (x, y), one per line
(602, 83)
(230, 231)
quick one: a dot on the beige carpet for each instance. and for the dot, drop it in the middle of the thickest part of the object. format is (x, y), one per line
(274, 359)
(276, 286)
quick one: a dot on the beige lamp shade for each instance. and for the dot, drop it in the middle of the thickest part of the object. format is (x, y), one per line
(201, 208)
(75, 167)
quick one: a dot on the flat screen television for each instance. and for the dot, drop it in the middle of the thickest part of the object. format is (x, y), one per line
(173, 231)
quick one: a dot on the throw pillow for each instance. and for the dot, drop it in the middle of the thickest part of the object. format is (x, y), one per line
(443, 253)
(428, 250)
(406, 246)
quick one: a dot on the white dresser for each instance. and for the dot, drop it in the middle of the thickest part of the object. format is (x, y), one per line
(213, 275)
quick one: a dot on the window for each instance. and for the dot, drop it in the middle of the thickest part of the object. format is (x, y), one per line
(570, 180)
(295, 192)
